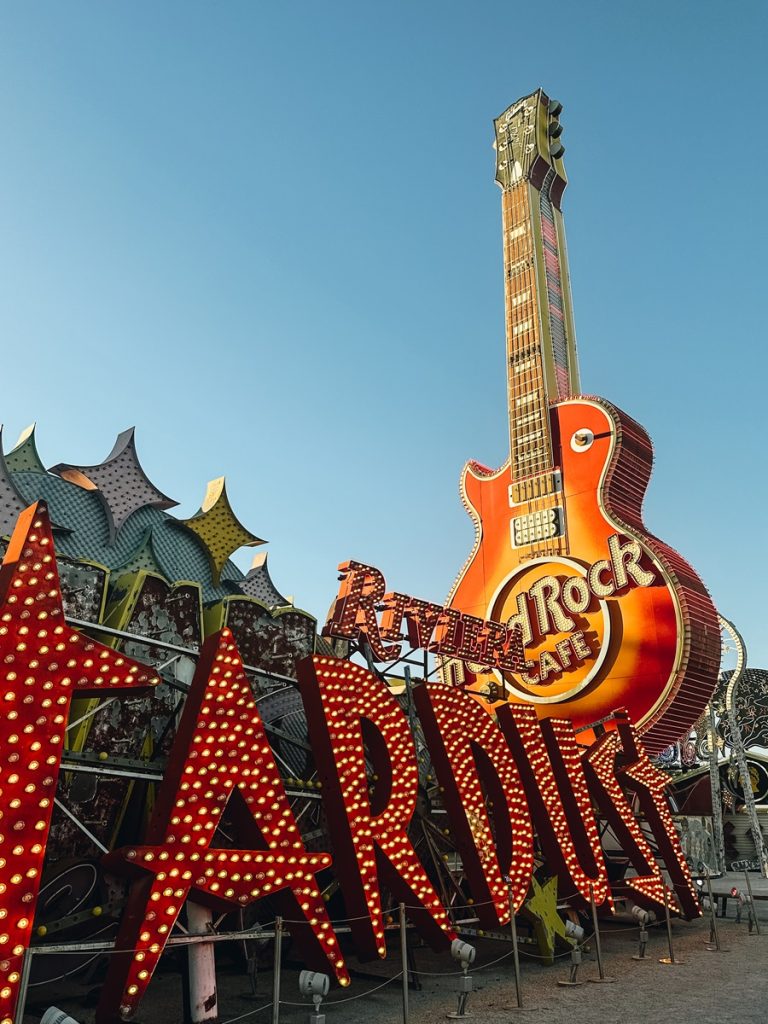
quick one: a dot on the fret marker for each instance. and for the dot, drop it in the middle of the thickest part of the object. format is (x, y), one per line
(528, 437)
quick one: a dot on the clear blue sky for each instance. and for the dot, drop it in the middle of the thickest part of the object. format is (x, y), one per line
(269, 236)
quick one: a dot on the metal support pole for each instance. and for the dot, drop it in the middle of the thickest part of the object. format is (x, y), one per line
(203, 1001)
(717, 796)
(404, 961)
(752, 902)
(515, 955)
(670, 960)
(276, 969)
(26, 967)
(598, 948)
(713, 932)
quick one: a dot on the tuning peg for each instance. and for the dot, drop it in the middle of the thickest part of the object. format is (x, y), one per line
(555, 130)
(557, 152)
(555, 108)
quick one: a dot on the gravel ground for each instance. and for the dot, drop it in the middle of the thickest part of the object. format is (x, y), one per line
(726, 987)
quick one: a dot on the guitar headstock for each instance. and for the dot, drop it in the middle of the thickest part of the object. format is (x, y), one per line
(528, 142)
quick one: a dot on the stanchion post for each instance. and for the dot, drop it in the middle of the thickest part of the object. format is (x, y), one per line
(669, 960)
(598, 947)
(515, 955)
(752, 902)
(26, 967)
(404, 960)
(277, 965)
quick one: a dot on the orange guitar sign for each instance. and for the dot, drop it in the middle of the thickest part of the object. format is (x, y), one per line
(611, 617)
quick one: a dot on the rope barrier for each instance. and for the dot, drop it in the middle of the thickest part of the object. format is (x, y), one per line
(248, 1013)
(347, 999)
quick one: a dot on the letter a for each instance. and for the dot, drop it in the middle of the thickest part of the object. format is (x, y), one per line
(220, 751)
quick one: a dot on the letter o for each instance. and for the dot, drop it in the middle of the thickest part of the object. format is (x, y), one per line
(575, 594)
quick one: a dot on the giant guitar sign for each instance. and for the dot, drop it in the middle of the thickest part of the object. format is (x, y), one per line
(610, 615)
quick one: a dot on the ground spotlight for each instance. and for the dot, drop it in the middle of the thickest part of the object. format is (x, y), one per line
(53, 1015)
(464, 954)
(574, 931)
(312, 983)
(643, 917)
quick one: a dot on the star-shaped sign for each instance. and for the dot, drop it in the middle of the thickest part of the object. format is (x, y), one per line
(541, 909)
(221, 751)
(218, 528)
(43, 664)
(122, 484)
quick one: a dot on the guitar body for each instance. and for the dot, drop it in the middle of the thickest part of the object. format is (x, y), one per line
(611, 616)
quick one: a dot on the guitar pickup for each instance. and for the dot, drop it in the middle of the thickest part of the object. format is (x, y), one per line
(543, 524)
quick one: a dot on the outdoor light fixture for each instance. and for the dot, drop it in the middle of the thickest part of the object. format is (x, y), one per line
(312, 983)
(574, 931)
(53, 1015)
(464, 954)
(643, 917)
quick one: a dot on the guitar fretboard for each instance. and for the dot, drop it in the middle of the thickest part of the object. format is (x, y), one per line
(540, 366)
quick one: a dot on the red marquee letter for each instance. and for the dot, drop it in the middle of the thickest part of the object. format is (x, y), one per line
(600, 771)
(466, 747)
(221, 747)
(348, 707)
(650, 785)
(549, 760)
(44, 663)
(354, 614)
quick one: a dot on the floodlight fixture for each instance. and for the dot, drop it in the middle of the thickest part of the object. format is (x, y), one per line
(315, 984)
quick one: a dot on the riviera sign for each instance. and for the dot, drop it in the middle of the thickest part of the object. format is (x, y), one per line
(363, 610)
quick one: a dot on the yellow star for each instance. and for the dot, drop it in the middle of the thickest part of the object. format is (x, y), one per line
(541, 909)
(218, 528)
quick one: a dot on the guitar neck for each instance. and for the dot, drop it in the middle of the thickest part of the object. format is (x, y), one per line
(541, 352)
